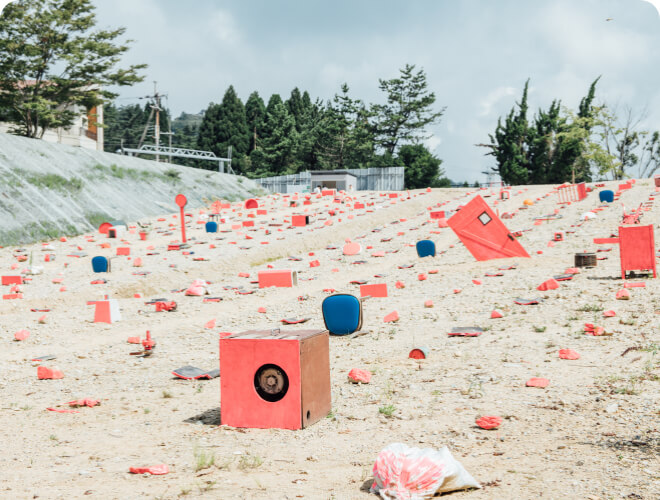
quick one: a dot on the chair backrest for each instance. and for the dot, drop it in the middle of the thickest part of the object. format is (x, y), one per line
(426, 248)
(100, 264)
(606, 195)
(342, 314)
(211, 227)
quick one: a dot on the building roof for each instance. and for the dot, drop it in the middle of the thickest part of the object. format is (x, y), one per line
(331, 172)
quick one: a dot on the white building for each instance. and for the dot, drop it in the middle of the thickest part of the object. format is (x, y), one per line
(84, 132)
(341, 180)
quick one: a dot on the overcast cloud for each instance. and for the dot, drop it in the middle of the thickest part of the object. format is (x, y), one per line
(477, 55)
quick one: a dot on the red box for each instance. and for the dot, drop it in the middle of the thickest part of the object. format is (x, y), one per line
(248, 223)
(278, 379)
(393, 195)
(12, 280)
(440, 214)
(358, 205)
(261, 211)
(284, 278)
(299, 220)
(123, 251)
(375, 290)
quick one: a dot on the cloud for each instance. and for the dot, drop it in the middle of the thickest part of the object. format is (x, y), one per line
(494, 97)
(655, 3)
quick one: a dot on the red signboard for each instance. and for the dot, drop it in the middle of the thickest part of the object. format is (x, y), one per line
(483, 233)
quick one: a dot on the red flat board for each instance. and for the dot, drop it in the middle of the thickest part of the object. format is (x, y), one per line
(483, 233)
(637, 249)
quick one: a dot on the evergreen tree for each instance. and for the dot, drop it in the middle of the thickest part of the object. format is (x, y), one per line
(208, 131)
(276, 152)
(295, 107)
(231, 130)
(52, 59)
(422, 168)
(408, 110)
(255, 112)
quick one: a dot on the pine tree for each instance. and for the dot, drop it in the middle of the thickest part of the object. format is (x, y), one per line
(231, 129)
(295, 107)
(276, 153)
(255, 112)
(408, 110)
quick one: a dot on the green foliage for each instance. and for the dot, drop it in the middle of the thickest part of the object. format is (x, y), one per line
(225, 125)
(52, 59)
(408, 110)
(255, 112)
(553, 149)
(275, 155)
(54, 182)
(422, 168)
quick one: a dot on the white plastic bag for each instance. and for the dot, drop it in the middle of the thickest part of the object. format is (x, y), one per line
(404, 473)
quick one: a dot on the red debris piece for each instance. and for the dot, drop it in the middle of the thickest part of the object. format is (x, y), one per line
(550, 284)
(623, 294)
(44, 373)
(476, 282)
(91, 403)
(428, 303)
(496, 314)
(58, 410)
(537, 382)
(359, 376)
(156, 470)
(609, 314)
(568, 354)
(391, 317)
(261, 310)
(210, 324)
(422, 277)
(457, 290)
(399, 284)
(314, 263)
(572, 270)
(489, 422)
(21, 335)
(133, 340)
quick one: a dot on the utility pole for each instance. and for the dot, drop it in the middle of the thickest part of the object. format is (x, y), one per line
(155, 109)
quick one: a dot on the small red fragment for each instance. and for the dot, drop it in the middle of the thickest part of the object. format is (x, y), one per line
(261, 310)
(44, 373)
(391, 317)
(457, 290)
(210, 324)
(399, 284)
(476, 282)
(609, 314)
(568, 354)
(537, 382)
(489, 422)
(496, 314)
(428, 303)
(422, 277)
(550, 284)
(21, 335)
(357, 375)
(91, 403)
(156, 470)
(623, 294)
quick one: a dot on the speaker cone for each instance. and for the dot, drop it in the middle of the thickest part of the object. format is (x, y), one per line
(271, 383)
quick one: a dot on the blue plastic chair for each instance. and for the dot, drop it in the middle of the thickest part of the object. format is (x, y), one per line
(100, 264)
(606, 195)
(211, 227)
(342, 314)
(426, 248)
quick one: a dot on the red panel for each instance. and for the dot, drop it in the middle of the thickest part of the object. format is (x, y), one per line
(299, 220)
(440, 214)
(123, 251)
(637, 245)
(248, 223)
(12, 280)
(241, 406)
(279, 278)
(374, 290)
(491, 240)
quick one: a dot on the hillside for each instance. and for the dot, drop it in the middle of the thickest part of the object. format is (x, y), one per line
(48, 190)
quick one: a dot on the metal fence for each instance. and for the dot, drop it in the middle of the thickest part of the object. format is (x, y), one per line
(368, 179)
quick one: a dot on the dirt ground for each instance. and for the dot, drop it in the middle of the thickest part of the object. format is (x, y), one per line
(593, 433)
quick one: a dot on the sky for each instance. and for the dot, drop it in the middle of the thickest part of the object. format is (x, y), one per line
(477, 55)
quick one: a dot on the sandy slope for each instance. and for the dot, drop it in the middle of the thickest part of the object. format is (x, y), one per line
(593, 433)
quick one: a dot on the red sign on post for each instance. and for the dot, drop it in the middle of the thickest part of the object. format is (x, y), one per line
(483, 233)
(181, 200)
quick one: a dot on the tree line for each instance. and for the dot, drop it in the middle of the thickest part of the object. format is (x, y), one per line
(287, 136)
(560, 145)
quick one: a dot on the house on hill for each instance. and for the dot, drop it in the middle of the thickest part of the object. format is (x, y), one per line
(85, 132)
